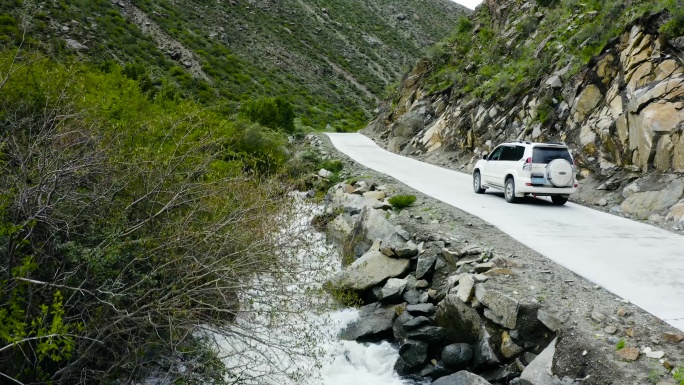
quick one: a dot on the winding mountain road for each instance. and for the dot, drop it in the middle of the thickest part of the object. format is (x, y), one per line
(635, 261)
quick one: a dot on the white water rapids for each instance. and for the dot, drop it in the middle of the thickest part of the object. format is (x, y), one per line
(276, 348)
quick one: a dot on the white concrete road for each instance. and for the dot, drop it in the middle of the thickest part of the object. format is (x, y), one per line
(635, 261)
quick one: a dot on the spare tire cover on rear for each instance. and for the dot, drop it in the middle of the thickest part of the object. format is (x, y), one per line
(559, 172)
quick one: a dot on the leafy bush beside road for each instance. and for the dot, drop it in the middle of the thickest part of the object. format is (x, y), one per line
(128, 222)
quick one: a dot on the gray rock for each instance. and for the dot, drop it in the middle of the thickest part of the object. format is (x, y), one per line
(339, 228)
(375, 321)
(598, 316)
(422, 284)
(610, 329)
(485, 352)
(508, 347)
(369, 226)
(550, 321)
(529, 357)
(407, 250)
(403, 233)
(421, 309)
(417, 322)
(469, 259)
(539, 370)
(450, 256)
(425, 265)
(483, 267)
(471, 250)
(645, 203)
(377, 195)
(75, 45)
(435, 336)
(466, 284)
(323, 173)
(412, 297)
(461, 378)
(504, 309)
(412, 355)
(371, 269)
(461, 321)
(441, 264)
(392, 289)
(457, 356)
(554, 82)
(398, 329)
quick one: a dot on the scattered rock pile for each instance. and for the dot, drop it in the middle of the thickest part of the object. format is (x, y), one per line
(434, 301)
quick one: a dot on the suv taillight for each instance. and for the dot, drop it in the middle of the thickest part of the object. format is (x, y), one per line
(528, 164)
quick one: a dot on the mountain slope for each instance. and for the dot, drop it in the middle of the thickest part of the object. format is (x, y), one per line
(332, 59)
(604, 76)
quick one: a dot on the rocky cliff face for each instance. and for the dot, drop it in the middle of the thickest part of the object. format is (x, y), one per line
(622, 113)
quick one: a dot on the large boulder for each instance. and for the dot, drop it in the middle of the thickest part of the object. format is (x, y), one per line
(434, 336)
(350, 203)
(392, 290)
(399, 328)
(462, 323)
(501, 308)
(645, 203)
(485, 350)
(457, 356)
(426, 262)
(369, 226)
(461, 378)
(538, 372)
(412, 355)
(339, 228)
(374, 323)
(371, 269)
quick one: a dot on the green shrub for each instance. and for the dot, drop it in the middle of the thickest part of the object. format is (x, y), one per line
(275, 113)
(401, 201)
(620, 344)
(333, 165)
(158, 222)
(675, 26)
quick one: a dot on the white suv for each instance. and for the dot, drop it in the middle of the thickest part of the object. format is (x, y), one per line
(524, 168)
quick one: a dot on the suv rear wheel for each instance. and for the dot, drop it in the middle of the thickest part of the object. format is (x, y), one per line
(509, 191)
(559, 200)
(477, 183)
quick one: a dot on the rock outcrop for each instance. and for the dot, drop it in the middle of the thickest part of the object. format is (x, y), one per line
(622, 113)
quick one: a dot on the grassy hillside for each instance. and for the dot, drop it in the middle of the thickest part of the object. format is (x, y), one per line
(331, 59)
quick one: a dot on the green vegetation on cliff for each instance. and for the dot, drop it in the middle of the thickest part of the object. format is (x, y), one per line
(503, 51)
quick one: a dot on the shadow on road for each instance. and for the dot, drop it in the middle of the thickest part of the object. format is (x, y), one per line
(540, 201)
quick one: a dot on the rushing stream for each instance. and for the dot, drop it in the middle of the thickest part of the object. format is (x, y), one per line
(302, 346)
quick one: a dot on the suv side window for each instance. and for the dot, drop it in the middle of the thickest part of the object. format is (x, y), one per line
(508, 153)
(496, 154)
(519, 152)
(512, 153)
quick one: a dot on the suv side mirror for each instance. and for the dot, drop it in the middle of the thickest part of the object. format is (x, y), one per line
(485, 155)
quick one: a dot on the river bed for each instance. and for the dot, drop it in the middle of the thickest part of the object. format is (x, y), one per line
(301, 345)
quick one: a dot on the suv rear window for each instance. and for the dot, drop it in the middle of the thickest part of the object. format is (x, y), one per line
(547, 154)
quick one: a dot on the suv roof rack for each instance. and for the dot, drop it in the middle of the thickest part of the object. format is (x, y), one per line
(521, 141)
